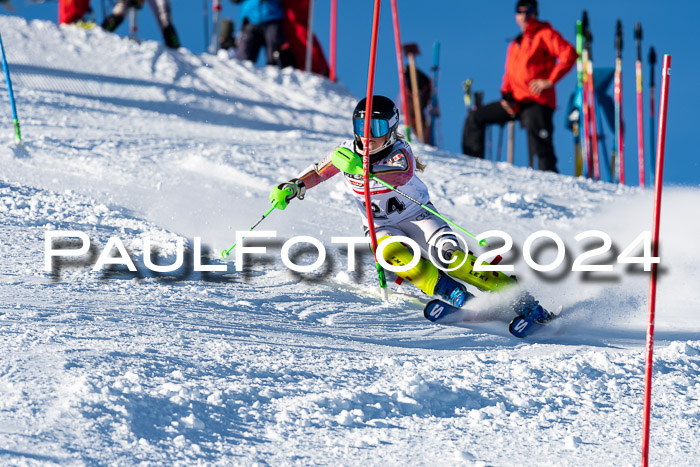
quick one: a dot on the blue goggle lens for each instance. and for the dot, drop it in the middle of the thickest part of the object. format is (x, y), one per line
(378, 127)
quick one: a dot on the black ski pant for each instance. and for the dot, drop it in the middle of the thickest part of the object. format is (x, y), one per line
(254, 36)
(535, 118)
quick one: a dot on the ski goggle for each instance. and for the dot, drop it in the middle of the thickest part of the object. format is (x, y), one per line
(378, 127)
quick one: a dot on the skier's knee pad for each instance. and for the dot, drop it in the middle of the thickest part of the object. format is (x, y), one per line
(423, 275)
(492, 281)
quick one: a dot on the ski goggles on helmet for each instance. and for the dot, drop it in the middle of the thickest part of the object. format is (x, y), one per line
(378, 127)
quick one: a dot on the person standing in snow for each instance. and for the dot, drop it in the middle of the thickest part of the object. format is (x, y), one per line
(392, 160)
(261, 25)
(535, 61)
(161, 10)
(72, 11)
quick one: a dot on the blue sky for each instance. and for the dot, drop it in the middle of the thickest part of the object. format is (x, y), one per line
(473, 37)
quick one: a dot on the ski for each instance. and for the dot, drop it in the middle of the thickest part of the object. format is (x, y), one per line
(437, 310)
(594, 163)
(524, 325)
(619, 126)
(577, 125)
(585, 114)
(652, 126)
(640, 106)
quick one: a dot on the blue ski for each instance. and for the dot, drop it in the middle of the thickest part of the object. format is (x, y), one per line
(523, 325)
(437, 310)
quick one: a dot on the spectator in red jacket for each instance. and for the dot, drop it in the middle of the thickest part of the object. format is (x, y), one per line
(72, 11)
(535, 61)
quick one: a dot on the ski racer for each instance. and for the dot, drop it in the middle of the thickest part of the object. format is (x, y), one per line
(392, 160)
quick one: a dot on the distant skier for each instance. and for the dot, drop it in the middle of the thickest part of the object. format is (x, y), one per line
(392, 160)
(535, 61)
(161, 10)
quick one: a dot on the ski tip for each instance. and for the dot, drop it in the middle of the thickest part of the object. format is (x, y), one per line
(521, 326)
(428, 307)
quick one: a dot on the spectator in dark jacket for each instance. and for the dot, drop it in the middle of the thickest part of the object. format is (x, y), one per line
(535, 61)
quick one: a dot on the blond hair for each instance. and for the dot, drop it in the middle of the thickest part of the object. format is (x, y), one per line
(420, 167)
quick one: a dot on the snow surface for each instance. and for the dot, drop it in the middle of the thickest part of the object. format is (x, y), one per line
(274, 367)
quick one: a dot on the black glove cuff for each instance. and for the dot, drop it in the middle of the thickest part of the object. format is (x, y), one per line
(301, 187)
(297, 186)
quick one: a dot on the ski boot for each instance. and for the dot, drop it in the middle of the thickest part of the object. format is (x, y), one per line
(526, 305)
(112, 22)
(170, 37)
(451, 291)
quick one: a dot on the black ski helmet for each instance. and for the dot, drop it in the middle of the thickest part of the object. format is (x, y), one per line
(531, 6)
(383, 108)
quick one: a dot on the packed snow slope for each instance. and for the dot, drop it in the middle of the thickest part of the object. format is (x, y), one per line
(268, 366)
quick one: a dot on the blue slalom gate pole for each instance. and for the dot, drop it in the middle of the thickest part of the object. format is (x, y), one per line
(6, 69)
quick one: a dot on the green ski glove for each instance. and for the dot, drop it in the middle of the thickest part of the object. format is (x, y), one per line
(285, 192)
(347, 161)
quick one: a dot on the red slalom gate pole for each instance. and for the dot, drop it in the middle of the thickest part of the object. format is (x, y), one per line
(365, 157)
(660, 152)
(399, 62)
(334, 31)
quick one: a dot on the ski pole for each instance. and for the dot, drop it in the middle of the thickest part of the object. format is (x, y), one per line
(225, 253)
(640, 106)
(133, 23)
(588, 38)
(215, 18)
(587, 156)
(309, 38)
(577, 126)
(432, 211)
(652, 126)
(500, 143)
(18, 135)
(619, 135)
